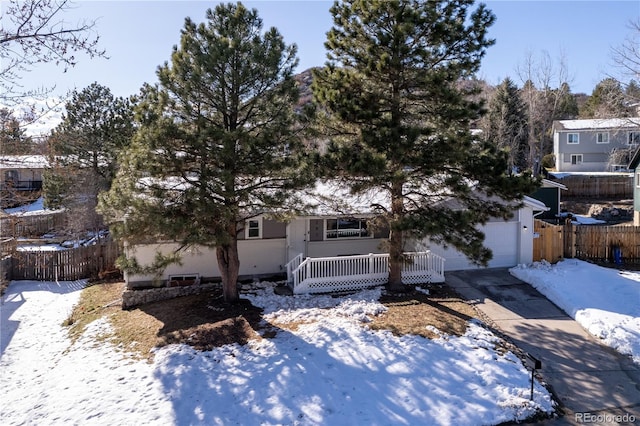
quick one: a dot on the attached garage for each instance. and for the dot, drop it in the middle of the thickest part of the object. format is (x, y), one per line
(510, 241)
(501, 238)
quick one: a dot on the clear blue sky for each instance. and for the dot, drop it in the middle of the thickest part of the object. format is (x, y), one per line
(139, 36)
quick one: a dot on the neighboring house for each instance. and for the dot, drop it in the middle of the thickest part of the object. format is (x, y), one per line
(633, 166)
(22, 172)
(267, 246)
(550, 194)
(20, 176)
(595, 145)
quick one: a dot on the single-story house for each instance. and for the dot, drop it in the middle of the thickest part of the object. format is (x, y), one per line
(595, 145)
(269, 247)
(22, 172)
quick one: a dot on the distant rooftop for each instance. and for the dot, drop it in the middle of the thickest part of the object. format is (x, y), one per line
(23, 162)
(597, 123)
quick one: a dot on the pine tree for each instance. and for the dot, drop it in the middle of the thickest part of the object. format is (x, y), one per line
(632, 93)
(606, 101)
(506, 123)
(393, 83)
(217, 143)
(13, 140)
(83, 151)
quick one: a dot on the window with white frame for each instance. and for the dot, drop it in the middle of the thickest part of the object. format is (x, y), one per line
(634, 138)
(638, 178)
(573, 138)
(576, 159)
(602, 137)
(344, 227)
(253, 229)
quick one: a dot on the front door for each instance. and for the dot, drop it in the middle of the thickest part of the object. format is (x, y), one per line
(296, 238)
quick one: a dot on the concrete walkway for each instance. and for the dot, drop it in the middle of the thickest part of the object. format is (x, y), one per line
(585, 376)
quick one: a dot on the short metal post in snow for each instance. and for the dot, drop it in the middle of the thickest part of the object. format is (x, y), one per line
(534, 364)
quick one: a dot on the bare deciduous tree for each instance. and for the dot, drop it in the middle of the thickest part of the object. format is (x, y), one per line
(34, 32)
(626, 56)
(545, 91)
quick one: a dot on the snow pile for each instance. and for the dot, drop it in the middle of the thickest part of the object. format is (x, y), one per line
(606, 302)
(360, 305)
(331, 370)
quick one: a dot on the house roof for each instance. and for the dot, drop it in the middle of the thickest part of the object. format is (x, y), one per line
(333, 198)
(23, 162)
(536, 205)
(546, 183)
(597, 123)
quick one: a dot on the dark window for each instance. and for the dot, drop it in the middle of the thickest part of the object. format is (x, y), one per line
(347, 228)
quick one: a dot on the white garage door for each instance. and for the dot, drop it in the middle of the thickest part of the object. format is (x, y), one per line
(500, 237)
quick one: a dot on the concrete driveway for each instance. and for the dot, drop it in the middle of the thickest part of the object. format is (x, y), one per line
(590, 380)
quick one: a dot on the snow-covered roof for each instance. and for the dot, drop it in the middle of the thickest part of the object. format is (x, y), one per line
(597, 123)
(330, 198)
(536, 205)
(333, 198)
(23, 162)
(546, 183)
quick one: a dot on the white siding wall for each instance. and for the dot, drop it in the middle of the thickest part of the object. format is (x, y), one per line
(256, 257)
(343, 247)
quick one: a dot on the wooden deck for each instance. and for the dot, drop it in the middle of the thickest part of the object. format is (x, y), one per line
(341, 273)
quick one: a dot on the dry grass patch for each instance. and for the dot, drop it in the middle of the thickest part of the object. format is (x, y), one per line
(204, 321)
(411, 313)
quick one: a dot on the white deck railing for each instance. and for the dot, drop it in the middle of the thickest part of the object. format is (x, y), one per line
(293, 265)
(327, 274)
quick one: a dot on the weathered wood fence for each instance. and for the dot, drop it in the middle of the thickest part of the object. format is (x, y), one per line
(64, 265)
(598, 186)
(596, 243)
(31, 225)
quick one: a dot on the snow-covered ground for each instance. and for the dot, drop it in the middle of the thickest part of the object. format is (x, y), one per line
(32, 209)
(605, 301)
(332, 370)
(580, 219)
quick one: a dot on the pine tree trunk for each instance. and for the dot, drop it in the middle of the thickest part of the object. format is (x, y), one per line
(229, 264)
(396, 243)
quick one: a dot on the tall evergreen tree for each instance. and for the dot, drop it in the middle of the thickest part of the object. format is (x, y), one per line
(632, 95)
(606, 101)
(393, 83)
(13, 140)
(83, 151)
(567, 104)
(506, 124)
(217, 143)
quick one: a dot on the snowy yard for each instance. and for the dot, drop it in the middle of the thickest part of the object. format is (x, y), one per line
(606, 302)
(331, 370)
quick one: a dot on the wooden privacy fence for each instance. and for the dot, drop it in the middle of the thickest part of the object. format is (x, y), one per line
(31, 225)
(64, 265)
(595, 243)
(599, 243)
(549, 244)
(595, 186)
